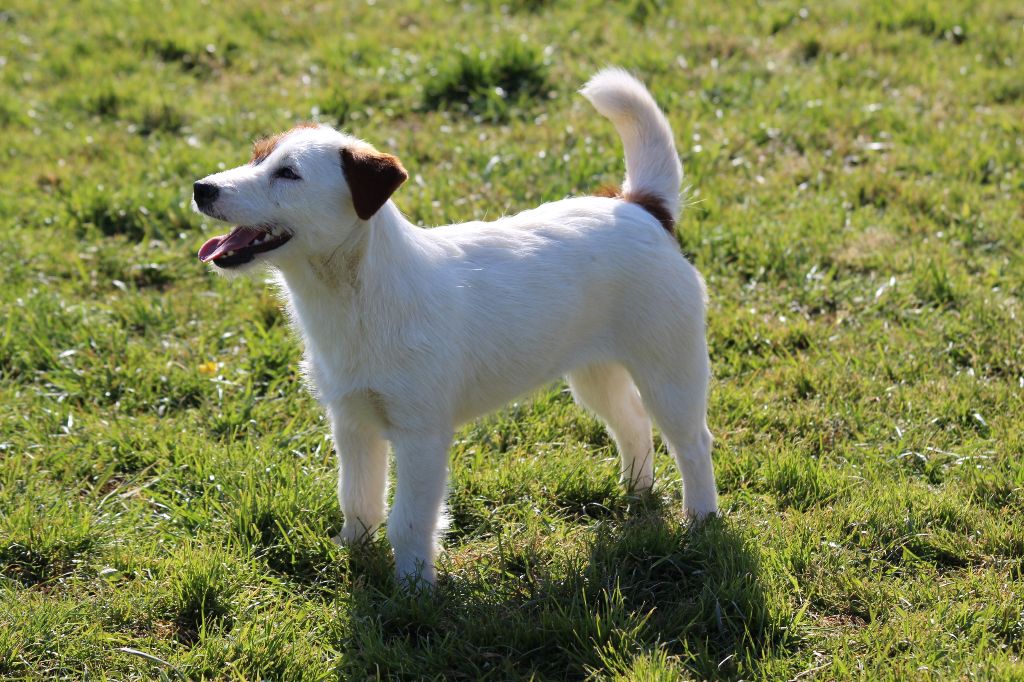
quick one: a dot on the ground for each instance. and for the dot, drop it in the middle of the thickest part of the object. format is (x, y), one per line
(854, 174)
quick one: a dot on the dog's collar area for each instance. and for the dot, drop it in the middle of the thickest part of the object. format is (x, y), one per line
(240, 246)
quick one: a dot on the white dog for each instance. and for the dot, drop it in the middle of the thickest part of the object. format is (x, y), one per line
(411, 332)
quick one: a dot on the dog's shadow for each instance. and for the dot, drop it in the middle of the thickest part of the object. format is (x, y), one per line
(645, 589)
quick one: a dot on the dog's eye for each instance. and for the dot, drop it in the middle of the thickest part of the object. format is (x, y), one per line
(287, 173)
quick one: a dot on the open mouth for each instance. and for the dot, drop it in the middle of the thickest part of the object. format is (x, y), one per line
(241, 245)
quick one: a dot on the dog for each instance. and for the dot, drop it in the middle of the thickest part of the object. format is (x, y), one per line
(410, 332)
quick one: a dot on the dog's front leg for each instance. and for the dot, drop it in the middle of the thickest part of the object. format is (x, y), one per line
(421, 463)
(362, 478)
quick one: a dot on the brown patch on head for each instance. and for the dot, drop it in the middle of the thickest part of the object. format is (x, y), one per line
(645, 200)
(372, 176)
(265, 146)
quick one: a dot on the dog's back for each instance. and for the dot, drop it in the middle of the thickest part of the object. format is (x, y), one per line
(578, 281)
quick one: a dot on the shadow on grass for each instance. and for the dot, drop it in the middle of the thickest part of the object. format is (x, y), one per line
(645, 590)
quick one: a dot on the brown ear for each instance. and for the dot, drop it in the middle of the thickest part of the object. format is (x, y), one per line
(372, 176)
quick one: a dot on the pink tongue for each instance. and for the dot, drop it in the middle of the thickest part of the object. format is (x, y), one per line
(236, 239)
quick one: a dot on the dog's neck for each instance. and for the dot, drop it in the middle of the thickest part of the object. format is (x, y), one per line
(371, 251)
(370, 280)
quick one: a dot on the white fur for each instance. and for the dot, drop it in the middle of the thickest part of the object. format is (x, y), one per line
(410, 332)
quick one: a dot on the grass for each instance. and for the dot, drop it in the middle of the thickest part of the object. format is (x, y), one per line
(488, 85)
(167, 487)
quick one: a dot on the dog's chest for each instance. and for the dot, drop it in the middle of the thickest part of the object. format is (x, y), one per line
(332, 346)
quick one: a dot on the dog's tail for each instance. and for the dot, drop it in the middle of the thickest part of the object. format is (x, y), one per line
(653, 170)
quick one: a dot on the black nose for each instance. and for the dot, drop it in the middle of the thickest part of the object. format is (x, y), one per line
(205, 193)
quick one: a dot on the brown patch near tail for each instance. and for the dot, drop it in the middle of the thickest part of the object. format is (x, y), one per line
(372, 177)
(653, 205)
(645, 200)
(264, 147)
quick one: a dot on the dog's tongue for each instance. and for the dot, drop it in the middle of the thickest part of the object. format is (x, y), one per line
(238, 238)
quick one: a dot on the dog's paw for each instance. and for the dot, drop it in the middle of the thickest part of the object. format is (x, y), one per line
(700, 501)
(639, 485)
(702, 512)
(353, 534)
(416, 576)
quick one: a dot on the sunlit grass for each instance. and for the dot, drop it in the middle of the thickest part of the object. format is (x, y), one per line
(855, 173)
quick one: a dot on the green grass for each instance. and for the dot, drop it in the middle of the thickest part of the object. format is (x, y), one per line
(167, 486)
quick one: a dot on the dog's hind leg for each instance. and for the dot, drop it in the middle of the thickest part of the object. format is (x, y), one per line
(608, 391)
(677, 399)
(362, 478)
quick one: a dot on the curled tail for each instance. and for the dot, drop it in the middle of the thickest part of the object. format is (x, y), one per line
(653, 170)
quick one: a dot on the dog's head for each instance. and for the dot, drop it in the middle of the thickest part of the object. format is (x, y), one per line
(302, 191)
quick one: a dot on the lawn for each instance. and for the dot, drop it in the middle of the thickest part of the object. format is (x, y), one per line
(855, 203)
